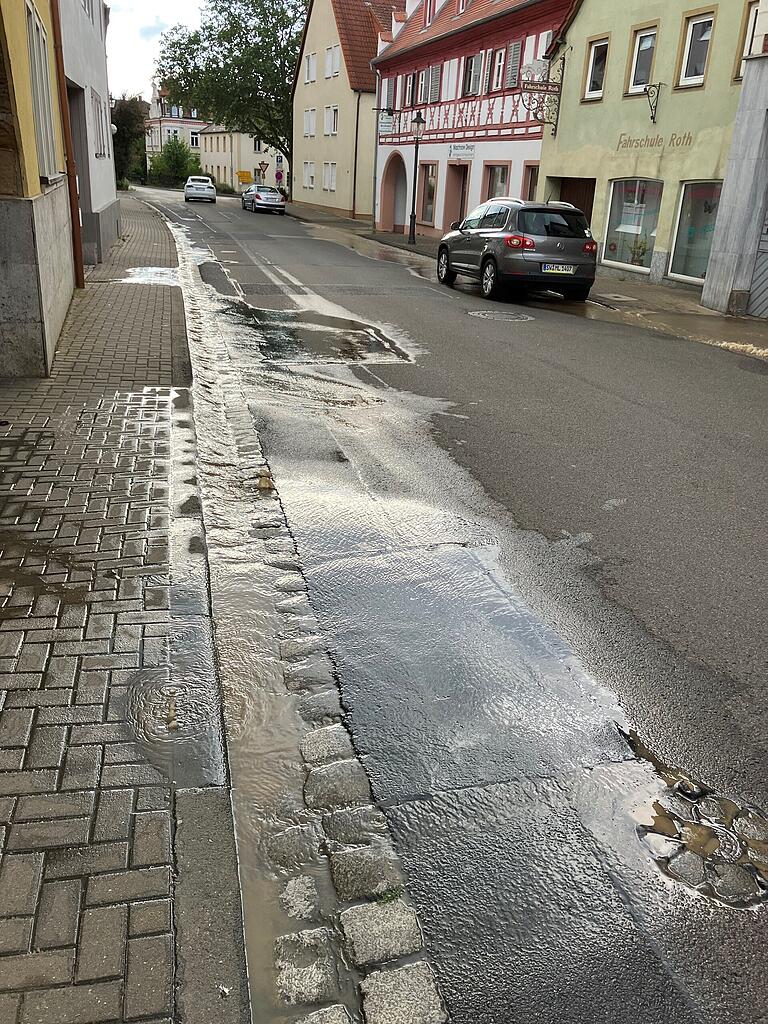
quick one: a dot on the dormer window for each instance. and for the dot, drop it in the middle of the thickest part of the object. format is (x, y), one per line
(462, 6)
(429, 11)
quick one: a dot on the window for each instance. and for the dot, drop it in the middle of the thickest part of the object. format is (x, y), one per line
(256, 145)
(598, 58)
(429, 11)
(553, 223)
(498, 180)
(490, 215)
(473, 69)
(434, 83)
(310, 122)
(88, 8)
(224, 144)
(462, 6)
(309, 174)
(332, 61)
(695, 228)
(97, 118)
(421, 94)
(218, 143)
(39, 70)
(331, 126)
(698, 36)
(497, 80)
(310, 67)
(194, 140)
(473, 220)
(642, 60)
(632, 222)
(409, 83)
(750, 29)
(428, 189)
(329, 177)
(530, 182)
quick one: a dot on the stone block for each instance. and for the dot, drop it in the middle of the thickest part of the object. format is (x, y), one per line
(101, 949)
(406, 995)
(86, 860)
(299, 897)
(323, 707)
(328, 1015)
(151, 838)
(366, 872)
(34, 970)
(356, 826)
(152, 917)
(57, 914)
(337, 785)
(328, 743)
(377, 932)
(113, 818)
(20, 879)
(306, 967)
(54, 805)
(294, 847)
(73, 1005)
(122, 886)
(42, 835)
(15, 935)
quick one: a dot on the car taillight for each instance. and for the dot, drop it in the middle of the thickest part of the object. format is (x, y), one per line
(257, 196)
(519, 242)
(590, 248)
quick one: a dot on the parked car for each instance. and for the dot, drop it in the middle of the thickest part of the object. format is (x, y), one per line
(264, 197)
(199, 187)
(527, 245)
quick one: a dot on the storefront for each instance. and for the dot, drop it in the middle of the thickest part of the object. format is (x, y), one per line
(645, 121)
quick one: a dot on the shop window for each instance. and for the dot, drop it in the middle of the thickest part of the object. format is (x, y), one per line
(632, 222)
(750, 30)
(695, 228)
(596, 65)
(698, 36)
(428, 189)
(498, 180)
(642, 60)
(530, 182)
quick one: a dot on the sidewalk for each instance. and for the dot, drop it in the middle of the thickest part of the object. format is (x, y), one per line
(119, 896)
(627, 298)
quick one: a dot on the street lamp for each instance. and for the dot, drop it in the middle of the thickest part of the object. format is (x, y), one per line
(418, 127)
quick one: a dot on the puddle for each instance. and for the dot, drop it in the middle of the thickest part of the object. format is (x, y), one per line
(705, 841)
(151, 275)
(309, 336)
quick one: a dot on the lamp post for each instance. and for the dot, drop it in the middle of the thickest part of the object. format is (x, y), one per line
(418, 127)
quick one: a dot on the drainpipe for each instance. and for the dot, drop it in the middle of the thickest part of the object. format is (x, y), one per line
(354, 169)
(69, 150)
(377, 112)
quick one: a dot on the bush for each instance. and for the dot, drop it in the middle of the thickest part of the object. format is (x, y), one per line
(225, 189)
(173, 164)
(123, 185)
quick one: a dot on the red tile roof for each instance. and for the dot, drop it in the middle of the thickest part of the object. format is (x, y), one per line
(447, 22)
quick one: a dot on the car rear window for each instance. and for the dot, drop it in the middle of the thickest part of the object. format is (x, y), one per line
(554, 223)
(201, 181)
(266, 188)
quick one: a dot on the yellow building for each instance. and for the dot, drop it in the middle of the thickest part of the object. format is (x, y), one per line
(36, 263)
(224, 153)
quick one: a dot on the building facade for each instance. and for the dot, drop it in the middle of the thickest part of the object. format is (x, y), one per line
(737, 276)
(334, 95)
(36, 257)
(84, 26)
(649, 96)
(169, 120)
(238, 159)
(460, 65)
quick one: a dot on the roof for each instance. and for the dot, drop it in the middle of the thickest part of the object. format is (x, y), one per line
(559, 36)
(447, 23)
(359, 23)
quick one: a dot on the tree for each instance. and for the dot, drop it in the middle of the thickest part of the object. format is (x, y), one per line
(129, 144)
(238, 66)
(173, 164)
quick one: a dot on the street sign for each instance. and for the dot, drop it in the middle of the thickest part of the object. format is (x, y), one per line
(263, 166)
(279, 159)
(551, 88)
(244, 177)
(278, 176)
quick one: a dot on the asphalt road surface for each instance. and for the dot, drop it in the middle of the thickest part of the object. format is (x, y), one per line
(538, 550)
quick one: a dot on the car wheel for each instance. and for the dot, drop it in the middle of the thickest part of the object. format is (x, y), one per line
(445, 275)
(281, 212)
(186, 199)
(578, 292)
(490, 285)
(213, 201)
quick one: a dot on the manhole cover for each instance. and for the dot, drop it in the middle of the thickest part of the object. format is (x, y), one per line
(615, 297)
(492, 314)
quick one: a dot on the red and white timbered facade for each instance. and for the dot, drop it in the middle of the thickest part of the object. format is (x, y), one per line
(461, 64)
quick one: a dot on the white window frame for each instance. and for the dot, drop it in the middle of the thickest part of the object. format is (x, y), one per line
(334, 120)
(616, 263)
(683, 186)
(694, 80)
(408, 91)
(329, 62)
(422, 84)
(336, 66)
(194, 140)
(596, 94)
(753, 12)
(332, 184)
(40, 81)
(311, 174)
(499, 60)
(641, 33)
(310, 68)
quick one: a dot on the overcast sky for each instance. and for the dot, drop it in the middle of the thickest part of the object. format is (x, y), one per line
(134, 33)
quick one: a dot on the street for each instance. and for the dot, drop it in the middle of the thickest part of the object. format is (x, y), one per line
(534, 548)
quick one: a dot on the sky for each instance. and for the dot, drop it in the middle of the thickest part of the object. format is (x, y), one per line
(133, 40)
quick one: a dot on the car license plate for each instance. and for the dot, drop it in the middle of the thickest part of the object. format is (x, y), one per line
(557, 268)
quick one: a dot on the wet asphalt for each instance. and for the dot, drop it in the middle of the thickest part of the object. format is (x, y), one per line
(517, 539)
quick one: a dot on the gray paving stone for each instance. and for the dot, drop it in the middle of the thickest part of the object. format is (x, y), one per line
(293, 848)
(34, 970)
(113, 817)
(151, 838)
(377, 932)
(46, 835)
(37, 698)
(82, 767)
(150, 918)
(323, 707)
(101, 950)
(328, 743)
(356, 826)
(86, 860)
(153, 798)
(11, 758)
(57, 914)
(328, 1015)
(149, 979)
(300, 898)
(336, 785)
(7, 805)
(123, 775)
(406, 995)
(47, 746)
(15, 935)
(54, 805)
(20, 878)
(19, 783)
(15, 726)
(125, 886)
(77, 1004)
(306, 967)
(365, 872)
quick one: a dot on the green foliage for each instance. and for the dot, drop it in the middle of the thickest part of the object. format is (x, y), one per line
(225, 189)
(123, 184)
(238, 66)
(129, 143)
(173, 164)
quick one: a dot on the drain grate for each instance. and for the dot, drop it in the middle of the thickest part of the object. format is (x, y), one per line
(492, 314)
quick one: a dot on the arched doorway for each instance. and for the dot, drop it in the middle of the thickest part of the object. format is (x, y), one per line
(394, 195)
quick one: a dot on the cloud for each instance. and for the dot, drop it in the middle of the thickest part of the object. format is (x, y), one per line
(133, 40)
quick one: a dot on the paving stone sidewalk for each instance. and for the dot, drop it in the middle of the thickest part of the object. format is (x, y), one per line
(119, 898)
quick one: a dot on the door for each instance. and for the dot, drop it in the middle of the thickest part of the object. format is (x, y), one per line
(456, 190)
(580, 192)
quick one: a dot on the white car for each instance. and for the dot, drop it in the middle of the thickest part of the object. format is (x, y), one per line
(198, 187)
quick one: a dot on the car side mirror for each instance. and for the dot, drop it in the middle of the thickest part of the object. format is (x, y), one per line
(456, 225)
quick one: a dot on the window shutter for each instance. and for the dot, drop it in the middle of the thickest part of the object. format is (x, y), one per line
(333, 178)
(514, 54)
(328, 61)
(434, 84)
(488, 70)
(477, 70)
(389, 99)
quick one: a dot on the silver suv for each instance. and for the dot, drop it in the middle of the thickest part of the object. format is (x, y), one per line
(526, 245)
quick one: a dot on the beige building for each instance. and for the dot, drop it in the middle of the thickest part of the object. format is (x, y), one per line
(334, 96)
(230, 157)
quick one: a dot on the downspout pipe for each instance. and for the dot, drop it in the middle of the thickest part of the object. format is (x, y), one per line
(377, 112)
(354, 169)
(69, 149)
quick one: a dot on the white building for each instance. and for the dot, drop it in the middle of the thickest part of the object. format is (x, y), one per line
(84, 31)
(238, 159)
(168, 120)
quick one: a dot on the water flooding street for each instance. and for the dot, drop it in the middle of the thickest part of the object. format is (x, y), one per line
(530, 553)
